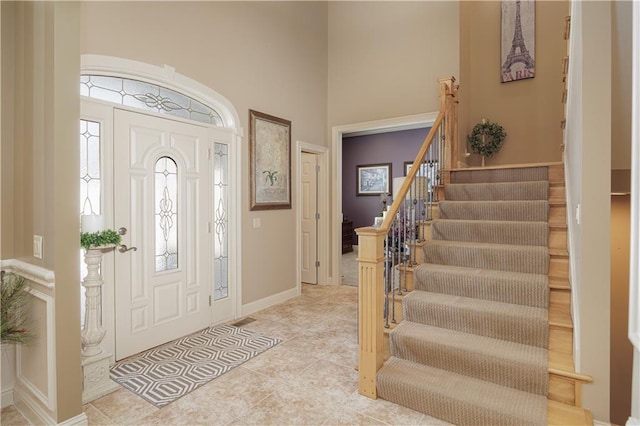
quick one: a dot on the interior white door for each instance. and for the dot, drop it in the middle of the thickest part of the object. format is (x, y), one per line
(309, 226)
(161, 196)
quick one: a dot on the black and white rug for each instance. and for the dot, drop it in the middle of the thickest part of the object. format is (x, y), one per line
(163, 374)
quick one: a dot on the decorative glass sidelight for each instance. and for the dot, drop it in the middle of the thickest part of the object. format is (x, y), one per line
(147, 97)
(89, 167)
(166, 214)
(220, 221)
(90, 185)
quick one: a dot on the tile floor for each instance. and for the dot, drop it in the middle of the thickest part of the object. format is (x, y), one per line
(308, 379)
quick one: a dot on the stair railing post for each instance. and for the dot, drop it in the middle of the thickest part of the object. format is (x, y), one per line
(371, 260)
(449, 101)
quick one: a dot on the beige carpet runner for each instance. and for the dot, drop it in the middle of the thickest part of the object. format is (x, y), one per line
(472, 348)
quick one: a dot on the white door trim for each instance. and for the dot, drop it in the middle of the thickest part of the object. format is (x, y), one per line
(323, 209)
(166, 76)
(369, 127)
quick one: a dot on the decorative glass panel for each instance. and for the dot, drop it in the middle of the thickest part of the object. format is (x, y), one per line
(90, 185)
(148, 97)
(89, 167)
(220, 221)
(166, 214)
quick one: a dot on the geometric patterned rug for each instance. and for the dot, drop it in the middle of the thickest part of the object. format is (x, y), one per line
(165, 373)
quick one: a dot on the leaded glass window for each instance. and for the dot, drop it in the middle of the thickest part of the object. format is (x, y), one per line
(166, 214)
(89, 167)
(90, 185)
(221, 221)
(148, 97)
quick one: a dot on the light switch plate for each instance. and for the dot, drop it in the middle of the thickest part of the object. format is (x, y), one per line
(37, 246)
(257, 222)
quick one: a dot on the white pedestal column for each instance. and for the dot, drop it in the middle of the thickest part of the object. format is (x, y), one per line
(95, 361)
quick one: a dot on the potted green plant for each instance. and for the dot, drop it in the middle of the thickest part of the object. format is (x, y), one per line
(14, 312)
(99, 239)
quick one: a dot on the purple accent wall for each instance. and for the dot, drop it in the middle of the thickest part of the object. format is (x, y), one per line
(392, 147)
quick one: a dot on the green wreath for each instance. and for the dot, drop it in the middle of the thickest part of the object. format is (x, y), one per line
(494, 135)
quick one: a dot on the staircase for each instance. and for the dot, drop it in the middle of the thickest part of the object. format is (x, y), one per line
(485, 337)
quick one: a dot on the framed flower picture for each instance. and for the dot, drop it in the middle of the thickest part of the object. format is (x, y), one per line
(269, 161)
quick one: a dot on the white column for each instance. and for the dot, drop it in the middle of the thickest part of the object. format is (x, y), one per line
(95, 361)
(93, 332)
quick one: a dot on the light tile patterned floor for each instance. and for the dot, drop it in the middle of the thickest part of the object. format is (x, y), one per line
(309, 379)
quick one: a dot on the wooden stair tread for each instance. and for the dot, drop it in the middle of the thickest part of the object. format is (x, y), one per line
(559, 283)
(558, 253)
(508, 166)
(561, 341)
(406, 267)
(564, 414)
(559, 317)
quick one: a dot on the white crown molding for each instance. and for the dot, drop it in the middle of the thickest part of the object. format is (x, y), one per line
(37, 274)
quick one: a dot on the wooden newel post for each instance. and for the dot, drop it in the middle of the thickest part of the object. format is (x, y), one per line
(370, 307)
(449, 101)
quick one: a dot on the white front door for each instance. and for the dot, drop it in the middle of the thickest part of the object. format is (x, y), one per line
(309, 218)
(162, 193)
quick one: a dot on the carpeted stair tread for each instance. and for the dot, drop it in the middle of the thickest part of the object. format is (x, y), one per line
(502, 257)
(500, 286)
(538, 190)
(500, 175)
(515, 323)
(491, 231)
(527, 210)
(502, 362)
(458, 399)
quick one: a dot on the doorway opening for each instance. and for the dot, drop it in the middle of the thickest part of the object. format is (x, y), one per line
(179, 174)
(359, 129)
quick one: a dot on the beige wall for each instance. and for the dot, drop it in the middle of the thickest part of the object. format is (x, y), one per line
(530, 110)
(621, 348)
(267, 56)
(621, 85)
(385, 58)
(594, 261)
(40, 48)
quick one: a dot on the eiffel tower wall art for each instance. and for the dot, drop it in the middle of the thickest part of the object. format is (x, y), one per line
(518, 40)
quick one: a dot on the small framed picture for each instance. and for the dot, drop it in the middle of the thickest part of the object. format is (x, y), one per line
(423, 168)
(373, 179)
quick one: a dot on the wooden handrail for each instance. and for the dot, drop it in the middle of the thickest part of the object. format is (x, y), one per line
(415, 168)
(371, 255)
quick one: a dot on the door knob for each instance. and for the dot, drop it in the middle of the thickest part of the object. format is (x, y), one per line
(122, 248)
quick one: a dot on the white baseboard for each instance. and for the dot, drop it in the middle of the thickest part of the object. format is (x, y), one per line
(7, 397)
(599, 423)
(31, 409)
(79, 420)
(269, 301)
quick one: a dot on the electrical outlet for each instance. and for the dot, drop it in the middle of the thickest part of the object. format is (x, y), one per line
(37, 246)
(578, 214)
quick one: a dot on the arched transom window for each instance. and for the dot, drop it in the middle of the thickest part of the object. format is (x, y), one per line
(148, 97)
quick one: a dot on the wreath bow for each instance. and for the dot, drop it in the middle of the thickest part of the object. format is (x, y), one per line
(491, 143)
